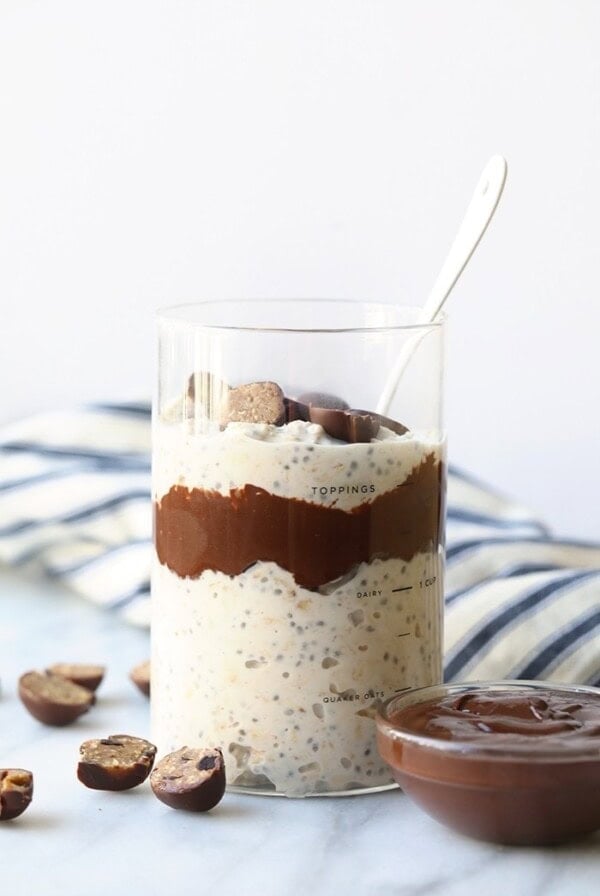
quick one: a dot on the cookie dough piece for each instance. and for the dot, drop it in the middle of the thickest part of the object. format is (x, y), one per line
(118, 762)
(254, 403)
(52, 699)
(86, 675)
(191, 779)
(16, 792)
(140, 676)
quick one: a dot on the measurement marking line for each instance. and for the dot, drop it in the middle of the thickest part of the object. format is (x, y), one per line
(407, 588)
(403, 635)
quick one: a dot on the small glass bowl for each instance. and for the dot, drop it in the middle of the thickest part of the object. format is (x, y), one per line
(528, 793)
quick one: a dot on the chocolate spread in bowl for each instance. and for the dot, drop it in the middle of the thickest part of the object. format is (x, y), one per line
(512, 762)
(507, 718)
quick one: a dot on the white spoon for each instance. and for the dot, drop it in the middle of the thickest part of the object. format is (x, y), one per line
(474, 224)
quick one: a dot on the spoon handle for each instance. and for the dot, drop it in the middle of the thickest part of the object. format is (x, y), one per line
(474, 224)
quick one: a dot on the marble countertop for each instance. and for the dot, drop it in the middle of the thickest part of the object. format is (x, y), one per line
(76, 841)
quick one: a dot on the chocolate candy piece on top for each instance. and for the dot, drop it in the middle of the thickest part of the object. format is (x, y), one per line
(294, 410)
(84, 674)
(300, 408)
(16, 792)
(207, 391)
(337, 418)
(53, 700)
(190, 779)
(118, 762)
(140, 676)
(254, 403)
(347, 426)
(323, 400)
(394, 425)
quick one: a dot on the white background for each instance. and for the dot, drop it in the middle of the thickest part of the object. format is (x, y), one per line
(154, 152)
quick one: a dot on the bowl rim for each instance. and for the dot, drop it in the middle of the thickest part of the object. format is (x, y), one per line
(559, 752)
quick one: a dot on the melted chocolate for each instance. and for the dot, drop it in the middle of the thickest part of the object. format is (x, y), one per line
(198, 529)
(504, 718)
(523, 765)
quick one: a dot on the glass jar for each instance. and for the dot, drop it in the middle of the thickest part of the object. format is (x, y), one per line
(298, 487)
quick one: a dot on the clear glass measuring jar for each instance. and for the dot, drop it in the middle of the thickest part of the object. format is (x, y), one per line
(298, 569)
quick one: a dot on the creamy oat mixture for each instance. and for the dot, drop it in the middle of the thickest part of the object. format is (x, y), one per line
(282, 678)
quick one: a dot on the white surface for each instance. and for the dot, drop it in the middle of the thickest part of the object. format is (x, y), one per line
(154, 151)
(72, 840)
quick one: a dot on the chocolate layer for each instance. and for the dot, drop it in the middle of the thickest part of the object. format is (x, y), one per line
(198, 529)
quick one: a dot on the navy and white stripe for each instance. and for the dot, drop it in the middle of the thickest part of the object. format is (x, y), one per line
(75, 501)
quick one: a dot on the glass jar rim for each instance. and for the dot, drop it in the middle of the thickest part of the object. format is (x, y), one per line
(181, 315)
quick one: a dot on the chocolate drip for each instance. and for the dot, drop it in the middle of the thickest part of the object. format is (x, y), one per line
(198, 529)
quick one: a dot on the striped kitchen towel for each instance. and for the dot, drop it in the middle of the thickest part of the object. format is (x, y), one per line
(75, 503)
